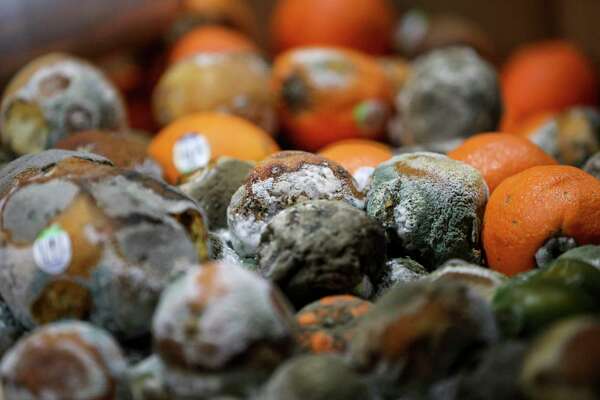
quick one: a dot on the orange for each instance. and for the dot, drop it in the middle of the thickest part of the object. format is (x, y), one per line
(500, 155)
(365, 25)
(354, 154)
(538, 204)
(191, 142)
(211, 39)
(327, 94)
(546, 76)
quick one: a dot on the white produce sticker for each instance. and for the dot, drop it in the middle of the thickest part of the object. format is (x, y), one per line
(52, 250)
(191, 152)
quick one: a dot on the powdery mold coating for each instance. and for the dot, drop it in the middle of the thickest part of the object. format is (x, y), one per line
(592, 165)
(66, 360)
(54, 96)
(432, 207)
(570, 137)
(234, 83)
(419, 332)
(315, 377)
(483, 281)
(126, 150)
(398, 271)
(212, 188)
(220, 328)
(80, 239)
(280, 181)
(327, 325)
(319, 248)
(450, 93)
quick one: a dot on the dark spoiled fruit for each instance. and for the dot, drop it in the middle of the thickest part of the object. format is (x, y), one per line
(398, 271)
(126, 150)
(451, 93)
(54, 96)
(420, 332)
(431, 206)
(66, 360)
(10, 329)
(280, 181)
(82, 239)
(327, 325)
(564, 362)
(315, 377)
(212, 188)
(220, 330)
(592, 165)
(321, 247)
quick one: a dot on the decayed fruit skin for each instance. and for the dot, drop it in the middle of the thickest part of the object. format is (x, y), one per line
(538, 209)
(10, 329)
(233, 83)
(450, 93)
(418, 332)
(315, 377)
(126, 150)
(397, 271)
(326, 94)
(499, 155)
(116, 239)
(431, 206)
(418, 33)
(546, 76)
(530, 302)
(571, 137)
(191, 143)
(365, 25)
(65, 360)
(220, 330)
(564, 362)
(212, 188)
(54, 96)
(327, 325)
(592, 165)
(278, 182)
(589, 254)
(319, 248)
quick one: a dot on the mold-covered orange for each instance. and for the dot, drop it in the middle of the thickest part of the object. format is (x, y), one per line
(190, 143)
(233, 83)
(540, 208)
(327, 325)
(365, 25)
(500, 155)
(546, 76)
(236, 14)
(328, 94)
(211, 39)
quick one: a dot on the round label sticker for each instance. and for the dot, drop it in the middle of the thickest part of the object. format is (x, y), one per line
(52, 250)
(191, 152)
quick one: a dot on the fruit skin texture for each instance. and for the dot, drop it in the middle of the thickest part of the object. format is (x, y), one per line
(534, 206)
(365, 25)
(450, 93)
(226, 135)
(327, 94)
(431, 206)
(546, 76)
(211, 39)
(499, 155)
(354, 154)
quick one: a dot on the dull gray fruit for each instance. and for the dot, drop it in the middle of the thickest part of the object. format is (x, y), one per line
(319, 248)
(592, 165)
(397, 271)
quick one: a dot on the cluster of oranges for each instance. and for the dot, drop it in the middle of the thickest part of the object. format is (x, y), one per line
(331, 89)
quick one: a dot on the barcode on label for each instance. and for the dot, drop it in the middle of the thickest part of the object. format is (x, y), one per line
(52, 250)
(191, 152)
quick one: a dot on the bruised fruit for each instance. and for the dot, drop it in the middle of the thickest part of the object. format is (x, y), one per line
(84, 240)
(282, 180)
(231, 83)
(319, 248)
(431, 206)
(329, 94)
(65, 360)
(221, 330)
(54, 96)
